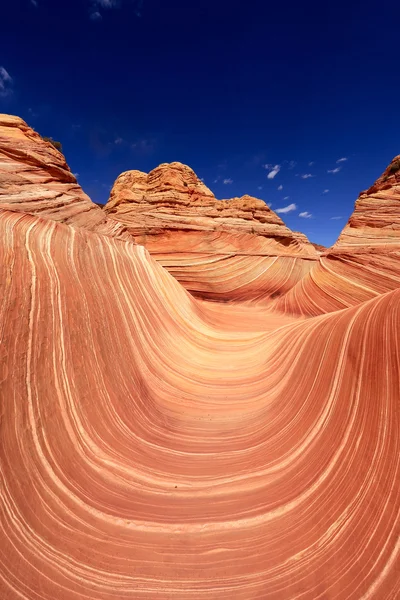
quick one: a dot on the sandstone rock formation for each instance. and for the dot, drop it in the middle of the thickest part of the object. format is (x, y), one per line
(35, 178)
(154, 445)
(364, 262)
(203, 241)
(375, 221)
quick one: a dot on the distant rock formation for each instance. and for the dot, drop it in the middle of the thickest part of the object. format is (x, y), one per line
(35, 179)
(363, 263)
(375, 222)
(200, 239)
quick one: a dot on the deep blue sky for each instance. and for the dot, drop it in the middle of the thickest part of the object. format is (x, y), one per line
(223, 86)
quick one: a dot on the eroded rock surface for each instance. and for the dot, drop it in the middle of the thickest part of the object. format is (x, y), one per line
(202, 240)
(35, 178)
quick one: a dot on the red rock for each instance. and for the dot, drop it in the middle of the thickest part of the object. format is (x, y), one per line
(375, 221)
(202, 241)
(154, 445)
(364, 262)
(35, 178)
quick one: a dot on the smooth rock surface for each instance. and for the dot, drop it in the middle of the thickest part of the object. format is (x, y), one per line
(156, 445)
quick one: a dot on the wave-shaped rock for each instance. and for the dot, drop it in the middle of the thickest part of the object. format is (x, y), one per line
(155, 445)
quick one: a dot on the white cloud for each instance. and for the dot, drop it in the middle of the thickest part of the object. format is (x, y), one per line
(34, 2)
(106, 3)
(292, 164)
(306, 176)
(339, 160)
(5, 83)
(274, 170)
(269, 204)
(260, 187)
(325, 192)
(286, 209)
(118, 141)
(286, 197)
(76, 175)
(311, 164)
(201, 178)
(97, 5)
(305, 215)
(280, 188)
(336, 218)
(334, 171)
(227, 181)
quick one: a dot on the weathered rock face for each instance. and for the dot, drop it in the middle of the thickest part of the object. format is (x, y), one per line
(375, 221)
(172, 199)
(35, 178)
(364, 263)
(202, 240)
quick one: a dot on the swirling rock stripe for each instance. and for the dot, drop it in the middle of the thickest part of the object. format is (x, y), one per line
(150, 451)
(338, 281)
(237, 277)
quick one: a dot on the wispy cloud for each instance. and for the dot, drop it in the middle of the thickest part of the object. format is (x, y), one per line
(273, 170)
(144, 145)
(5, 83)
(292, 164)
(34, 3)
(227, 181)
(96, 6)
(339, 160)
(306, 176)
(325, 192)
(76, 175)
(336, 218)
(280, 188)
(286, 197)
(334, 171)
(305, 215)
(260, 187)
(311, 164)
(286, 209)
(118, 141)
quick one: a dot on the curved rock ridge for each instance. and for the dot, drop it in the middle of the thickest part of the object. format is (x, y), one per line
(364, 262)
(154, 446)
(218, 249)
(375, 221)
(35, 178)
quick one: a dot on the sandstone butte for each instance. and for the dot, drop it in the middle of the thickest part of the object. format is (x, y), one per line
(158, 445)
(236, 249)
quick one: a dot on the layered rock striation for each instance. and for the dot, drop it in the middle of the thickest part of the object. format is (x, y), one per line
(35, 178)
(364, 262)
(375, 222)
(156, 445)
(202, 240)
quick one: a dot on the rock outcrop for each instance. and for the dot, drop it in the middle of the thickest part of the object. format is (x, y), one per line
(375, 222)
(363, 263)
(155, 445)
(35, 178)
(202, 240)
